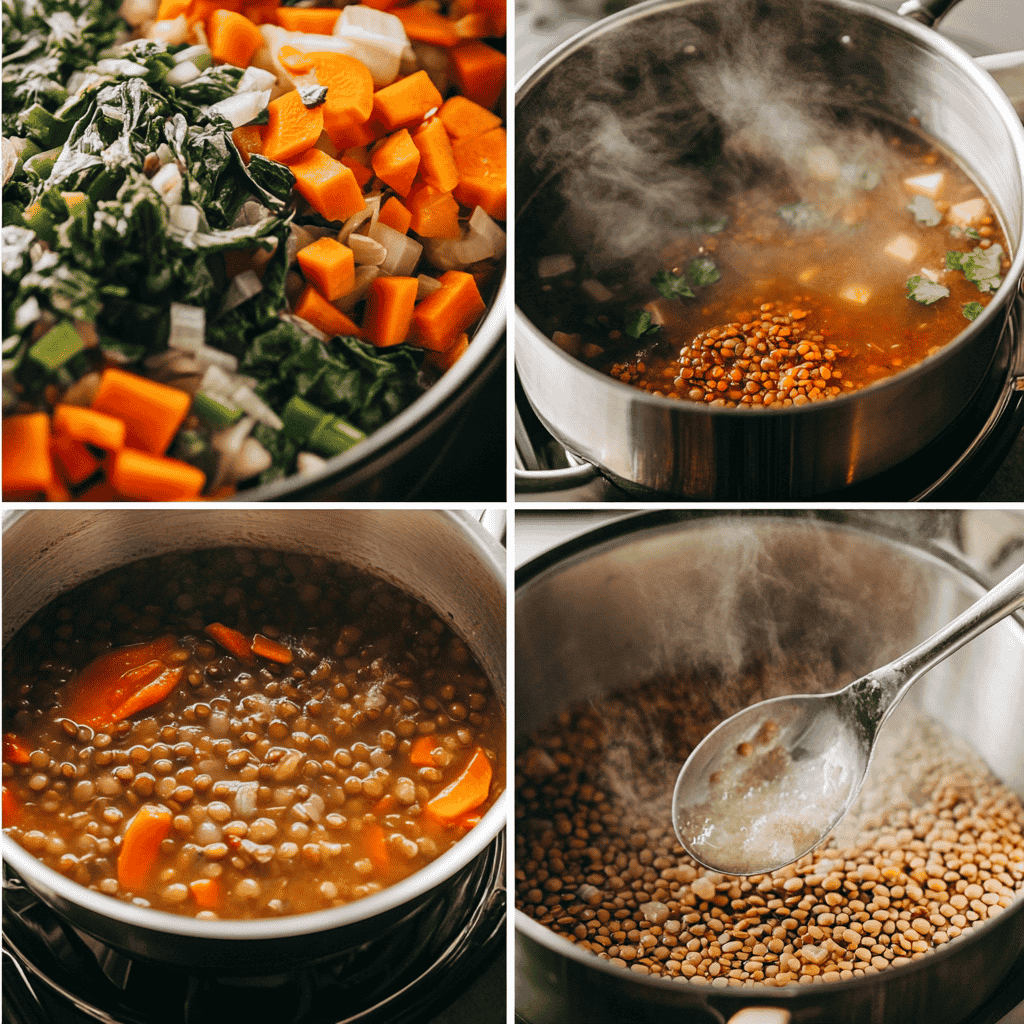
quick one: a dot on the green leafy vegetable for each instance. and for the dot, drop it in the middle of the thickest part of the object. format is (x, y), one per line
(925, 211)
(972, 310)
(981, 266)
(700, 271)
(803, 216)
(671, 286)
(924, 291)
(638, 324)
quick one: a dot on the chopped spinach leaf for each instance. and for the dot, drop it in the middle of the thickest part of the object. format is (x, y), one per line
(703, 271)
(972, 310)
(638, 324)
(924, 291)
(700, 271)
(925, 211)
(671, 286)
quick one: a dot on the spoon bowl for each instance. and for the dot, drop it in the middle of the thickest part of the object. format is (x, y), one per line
(771, 783)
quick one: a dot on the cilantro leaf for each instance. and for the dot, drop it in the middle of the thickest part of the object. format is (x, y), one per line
(972, 310)
(980, 266)
(925, 211)
(638, 324)
(924, 291)
(671, 286)
(703, 271)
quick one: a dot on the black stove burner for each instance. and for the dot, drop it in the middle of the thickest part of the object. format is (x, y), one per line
(56, 974)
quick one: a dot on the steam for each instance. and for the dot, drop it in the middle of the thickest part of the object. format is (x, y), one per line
(627, 115)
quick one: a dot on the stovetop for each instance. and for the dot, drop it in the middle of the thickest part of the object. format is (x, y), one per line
(449, 954)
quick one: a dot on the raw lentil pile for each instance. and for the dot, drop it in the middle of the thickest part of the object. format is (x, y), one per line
(765, 358)
(933, 847)
(279, 786)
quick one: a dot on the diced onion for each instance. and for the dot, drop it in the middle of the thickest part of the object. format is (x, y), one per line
(256, 80)
(182, 73)
(368, 213)
(366, 250)
(555, 266)
(596, 290)
(167, 181)
(480, 223)
(307, 464)
(218, 384)
(198, 55)
(135, 12)
(251, 460)
(188, 327)
(365, 276)
(242, 107)
(256, 407)
(403, 252)
(185, 217)
(426, 285)
(242, 288)
(209, 356)
(228, 443)
(171, 32)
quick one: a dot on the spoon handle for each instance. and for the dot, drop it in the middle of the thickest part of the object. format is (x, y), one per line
(892, 682)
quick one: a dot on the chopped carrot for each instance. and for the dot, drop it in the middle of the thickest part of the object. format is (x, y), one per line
(422, 747)
(73, 460)
(152, 693)
(249, 139)
(316, 310)
(152, 412)
(375, 846)
(443, 315)
(434, 214)
(90, 427)
(96, 695)
(389, 309)
(463, 117)
(480, 72)
(206, 892)
(233, 38)
(330, 266)
(475, 25)
(384, 804)
(357, 135)
(328, 185)
(481, 160)
(394, 215)
(264, 647)
(140, 846)
(16, 750)
(427, 26)
(199, 11)
(361, 172)
(262, 12)
(292, 127)
(406, 101)
(296, 62)
(144, 477)
(396, 160)
(171, 9)
(318, 20)
(27, 465)
(11, 808)
(466, 793)
(446, 360)
(102, 490)
(231, 640)
(380, 5)
(349, 89)
(437, 165)
(496, 12)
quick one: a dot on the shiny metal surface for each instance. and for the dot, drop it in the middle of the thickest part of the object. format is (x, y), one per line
(446, 559)
(899, 69)
(650, 593)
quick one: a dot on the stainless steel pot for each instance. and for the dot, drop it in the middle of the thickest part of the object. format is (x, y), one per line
(445, 559)
(659, 591)
(887, 66)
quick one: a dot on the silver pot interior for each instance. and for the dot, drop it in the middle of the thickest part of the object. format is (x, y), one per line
(445, 559)
(622, 86)
(729, 592)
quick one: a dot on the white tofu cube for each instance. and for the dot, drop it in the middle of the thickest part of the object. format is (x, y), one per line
(902, 248)
(929, 185)
(856, 293)
(968, 213)
(822, 163)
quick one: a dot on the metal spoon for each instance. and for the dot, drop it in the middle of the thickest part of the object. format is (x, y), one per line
(769, 784)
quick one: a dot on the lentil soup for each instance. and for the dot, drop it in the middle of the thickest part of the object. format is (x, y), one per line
(786, 291)
(933, 847)
(236, 733)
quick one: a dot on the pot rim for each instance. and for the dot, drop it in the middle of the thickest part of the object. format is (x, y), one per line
(937, 46)
(641, 522)
(477, 359)
(40, 877)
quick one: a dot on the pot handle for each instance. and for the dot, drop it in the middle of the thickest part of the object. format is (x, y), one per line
(928, 12)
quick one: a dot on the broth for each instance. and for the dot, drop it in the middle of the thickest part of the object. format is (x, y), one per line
(330, 741)
(786, 292)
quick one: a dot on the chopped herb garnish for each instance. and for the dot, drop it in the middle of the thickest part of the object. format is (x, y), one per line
(981, 266)
(671, 286)
(638, 324)
(925, 212)
(803, 216)
(972, 233)
(972, 310)
(702, 271)
(924, 291)
(859, 176)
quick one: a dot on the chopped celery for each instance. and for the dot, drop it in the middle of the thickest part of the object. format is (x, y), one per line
(214, 411)
(334, 436)
(301, 418)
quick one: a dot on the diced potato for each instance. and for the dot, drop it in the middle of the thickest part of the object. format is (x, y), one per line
(929, 185)
(596, 290)
(968, 213)
(822, 163)
(903, 248)
(856, 293)
(570, 343)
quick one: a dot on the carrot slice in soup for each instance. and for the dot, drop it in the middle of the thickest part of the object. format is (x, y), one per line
(375, 846)
(466, 793)
(271, 649)
(292, 127)
(140, 846)
(11, 808)
(206, 892)
(420, 753)
(16, 750)
(231, 640)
